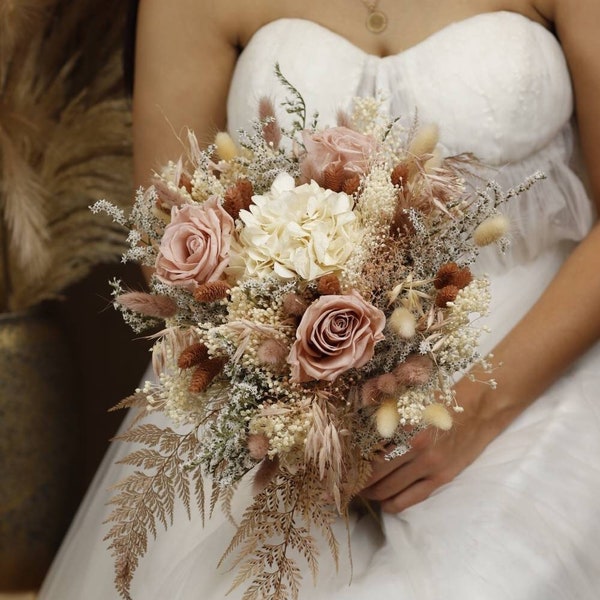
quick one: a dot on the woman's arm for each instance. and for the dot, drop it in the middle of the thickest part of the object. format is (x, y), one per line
(185, 56)
(558, 329)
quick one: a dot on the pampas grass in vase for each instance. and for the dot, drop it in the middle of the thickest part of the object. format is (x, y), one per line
(64, 143)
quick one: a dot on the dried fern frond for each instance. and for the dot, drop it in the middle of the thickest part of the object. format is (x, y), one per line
(277, 527)
(146, 498)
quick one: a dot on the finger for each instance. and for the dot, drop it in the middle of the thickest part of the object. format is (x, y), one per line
(396, 481)
(382, 468)
(414, 494)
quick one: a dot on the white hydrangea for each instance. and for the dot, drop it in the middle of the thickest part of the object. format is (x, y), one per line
(295, 231)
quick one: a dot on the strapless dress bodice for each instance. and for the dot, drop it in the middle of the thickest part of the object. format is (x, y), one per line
(497, 85)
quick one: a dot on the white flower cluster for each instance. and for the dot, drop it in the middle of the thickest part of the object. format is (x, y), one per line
(283, 426)
(295, 231)
(459, 347)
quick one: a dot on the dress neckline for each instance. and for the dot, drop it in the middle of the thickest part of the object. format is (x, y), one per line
(427, 40)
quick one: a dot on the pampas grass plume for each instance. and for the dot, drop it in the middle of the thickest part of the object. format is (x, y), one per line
(225, 146)
(387, 418)
(437, 415)
(491, 230)
(403, 323)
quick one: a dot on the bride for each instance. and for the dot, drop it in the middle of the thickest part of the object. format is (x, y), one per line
(505, 505)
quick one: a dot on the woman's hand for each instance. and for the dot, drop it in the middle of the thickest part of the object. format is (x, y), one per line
(436, 456)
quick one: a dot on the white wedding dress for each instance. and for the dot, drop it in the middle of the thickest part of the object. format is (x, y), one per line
(523, 521)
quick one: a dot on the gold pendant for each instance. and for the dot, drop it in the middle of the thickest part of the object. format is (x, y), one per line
(376, 21)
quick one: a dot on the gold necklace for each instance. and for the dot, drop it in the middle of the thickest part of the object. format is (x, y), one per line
(376, 20)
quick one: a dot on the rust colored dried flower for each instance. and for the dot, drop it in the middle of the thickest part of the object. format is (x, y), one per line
(351, 184)
(294, 305)
(328, 284)
(211, 291)
(193, 355)
(205, 372)
(462, 278)
(451, 274)
(238, 197)
(334, 177)
(399, 174)
(415, 370)
(445, 275)
(445, 295)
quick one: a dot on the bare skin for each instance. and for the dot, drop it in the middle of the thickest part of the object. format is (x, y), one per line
(186, 55)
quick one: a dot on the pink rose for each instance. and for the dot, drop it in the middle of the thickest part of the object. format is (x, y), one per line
(338, 147)
(195, 245)
(336, 333)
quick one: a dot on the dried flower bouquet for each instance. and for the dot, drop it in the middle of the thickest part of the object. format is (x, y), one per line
(316, 304)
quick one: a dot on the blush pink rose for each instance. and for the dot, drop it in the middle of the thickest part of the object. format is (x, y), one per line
(336, 333)
(195, 245)
(336, 146)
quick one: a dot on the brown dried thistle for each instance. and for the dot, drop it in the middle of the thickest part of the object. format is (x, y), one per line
(451, 274)
(193, 355)
(294, 305)
(238, 197)
(447, 294)
(205, 372)
(212, 291)
(351, 184)
(333, 177)
(399, 174)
